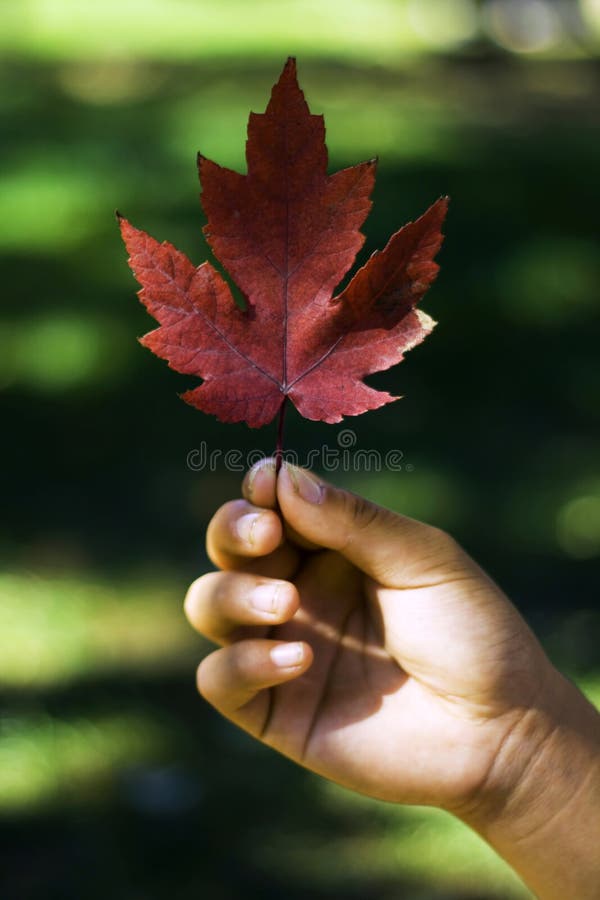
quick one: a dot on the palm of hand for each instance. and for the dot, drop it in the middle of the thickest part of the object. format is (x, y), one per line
(409, 695)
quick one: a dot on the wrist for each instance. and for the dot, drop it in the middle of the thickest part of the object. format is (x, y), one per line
(539, 806)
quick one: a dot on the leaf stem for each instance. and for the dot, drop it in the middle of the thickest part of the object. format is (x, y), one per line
(279, 447)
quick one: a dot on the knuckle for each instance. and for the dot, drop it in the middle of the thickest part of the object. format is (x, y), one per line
(447, 549)
(220, 671)
(234, 508)
(237, 665)
(446, 543)
(357, 516)
(361, 513)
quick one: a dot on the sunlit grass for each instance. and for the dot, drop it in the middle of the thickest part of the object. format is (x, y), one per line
(384, 30)
(58, 351)
(56, 630)
(50, 202)
(183, 29)
(43, 759)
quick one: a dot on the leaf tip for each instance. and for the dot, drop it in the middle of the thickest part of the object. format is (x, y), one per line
(125, 226)
(442, 204)
(289, 73)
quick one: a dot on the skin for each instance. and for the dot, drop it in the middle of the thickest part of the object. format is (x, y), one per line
(369, 648)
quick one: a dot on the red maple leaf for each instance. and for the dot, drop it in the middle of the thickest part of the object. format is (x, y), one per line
(287, 233)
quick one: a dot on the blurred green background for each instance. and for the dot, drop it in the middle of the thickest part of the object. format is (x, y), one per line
(115, 779)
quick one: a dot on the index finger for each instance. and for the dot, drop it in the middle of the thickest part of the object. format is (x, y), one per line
(260, 484)
(260, 488)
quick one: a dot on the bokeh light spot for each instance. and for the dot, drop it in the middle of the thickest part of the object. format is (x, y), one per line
(522, 26)
(50, 202)
(578, 527)
(443, 23)
(549, 280)
(109, 83)
(590, 10)
(59, 351)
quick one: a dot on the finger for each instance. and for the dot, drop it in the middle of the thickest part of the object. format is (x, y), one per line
(231, 678)
(219, 603)
(260, 488)
(239, 530)
(260, 484)
(391, 548)
(243, 536)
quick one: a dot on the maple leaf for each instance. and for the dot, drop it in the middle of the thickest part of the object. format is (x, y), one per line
(287, 233)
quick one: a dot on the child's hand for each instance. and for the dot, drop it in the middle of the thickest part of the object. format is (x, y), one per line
(394, 665)
(371, 649)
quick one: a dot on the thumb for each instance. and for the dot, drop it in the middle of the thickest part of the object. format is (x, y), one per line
(393, 549)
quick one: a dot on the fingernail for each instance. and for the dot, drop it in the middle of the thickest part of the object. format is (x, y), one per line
(264, 598)
(306, 485)
(287, 655)
(245, 526)
(258, 467)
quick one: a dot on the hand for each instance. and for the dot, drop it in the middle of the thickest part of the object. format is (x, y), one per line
(371, 649)
(393, 664)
